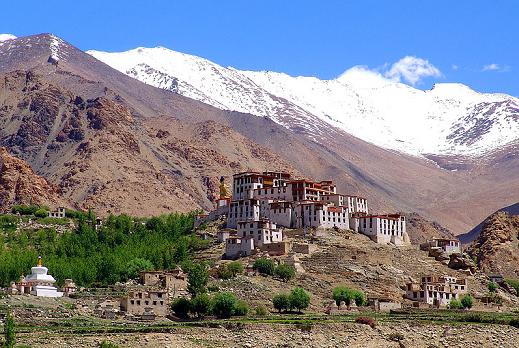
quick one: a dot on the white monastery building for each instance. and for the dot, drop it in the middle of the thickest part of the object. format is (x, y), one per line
(436, 291)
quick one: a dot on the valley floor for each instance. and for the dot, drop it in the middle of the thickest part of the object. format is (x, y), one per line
(341, 334)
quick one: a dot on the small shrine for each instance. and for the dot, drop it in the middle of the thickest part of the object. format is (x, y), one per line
(39, 282)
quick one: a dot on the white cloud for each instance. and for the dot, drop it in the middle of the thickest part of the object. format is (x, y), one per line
(495, 67)
(412, 69)
(454, 67)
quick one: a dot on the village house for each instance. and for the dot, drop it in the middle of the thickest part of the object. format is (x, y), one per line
(447, 245)
(384, 229)
(436, 291)
(58, 214)
(174, 281)
(236, 247)
(139, 302)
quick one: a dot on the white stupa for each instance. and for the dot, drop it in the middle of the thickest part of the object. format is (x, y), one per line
(42, 283)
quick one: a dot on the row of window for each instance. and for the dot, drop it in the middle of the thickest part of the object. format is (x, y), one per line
(146, 302)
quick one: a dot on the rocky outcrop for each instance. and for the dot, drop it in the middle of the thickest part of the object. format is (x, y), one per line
(20, 185)
(421, 230)
(496, 249)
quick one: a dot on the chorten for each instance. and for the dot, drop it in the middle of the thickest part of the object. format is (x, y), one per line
(42, 283)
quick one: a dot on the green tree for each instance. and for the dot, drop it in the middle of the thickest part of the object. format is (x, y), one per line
(299, 299)
(281, 302)
(224, 272)
(285, 272)
(201, 305)
(455, 304)
(235, 267)
(137, 265)
(197, 278)
(492, 286)
(467, 301)
(359, 297)
(223, 304)
(264, 266)
(181, 307)
(41, 213)
(9, 331)
(342, 294)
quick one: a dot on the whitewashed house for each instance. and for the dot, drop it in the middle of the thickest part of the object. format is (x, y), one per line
(436, 291)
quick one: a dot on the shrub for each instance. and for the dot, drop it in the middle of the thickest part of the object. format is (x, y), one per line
(492, 286)
(241, 308)
(9, 331)
(261, 310)
(455, 304)
(224, 272)
(197, 277)
(281, 302)
(285, 272)
(24, 209)
(366, 321)
(181, 307)
(514, 323)
(467, 301)
(201, 305)
(41, 213)
(299, 299)
(235, 267)
(223, 304)
(106, 344)
(264, 266)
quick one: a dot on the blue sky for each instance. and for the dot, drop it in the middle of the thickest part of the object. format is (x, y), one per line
(473, 42)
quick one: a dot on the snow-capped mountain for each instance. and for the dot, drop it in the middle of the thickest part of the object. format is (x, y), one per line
(449, 119)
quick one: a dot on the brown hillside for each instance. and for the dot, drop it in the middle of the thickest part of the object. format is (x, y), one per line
(497, 247)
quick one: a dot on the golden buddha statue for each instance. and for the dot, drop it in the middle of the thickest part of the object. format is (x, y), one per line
(224, 190)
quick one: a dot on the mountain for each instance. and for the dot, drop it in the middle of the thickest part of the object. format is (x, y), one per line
(116, 144)
(470, 236)
(496, 248)
(20, 185)
(450, 119)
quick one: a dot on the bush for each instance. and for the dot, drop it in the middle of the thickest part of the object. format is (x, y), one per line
(201, 305)
(343, 293)
(41, 213)
(235, 267)
(197, 277)
(264, 266)
(106, 344)
(281, 302)
(514, 323)
(24, 209)
(467, 301)
(299, 299)
(285, 272)
(241, 308)
(223, 304)
(9, 331)
(492, 286)
(261, 310)
(181, 307)
(136, 265)
(224, 272)
(455, 304)
(366, 321)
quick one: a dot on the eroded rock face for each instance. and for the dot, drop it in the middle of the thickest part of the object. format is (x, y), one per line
(496, 249)
(20, 185)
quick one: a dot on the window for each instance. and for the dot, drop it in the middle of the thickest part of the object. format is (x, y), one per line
(138, 303)
(147, 302)
(132, 302)
(154, 303)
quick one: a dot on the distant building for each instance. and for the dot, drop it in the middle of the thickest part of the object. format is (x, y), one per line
(139, 302)
(383, 229)
(58, 214)
(436, 291)
(238, 247)
(174, 281)
(447, 245)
